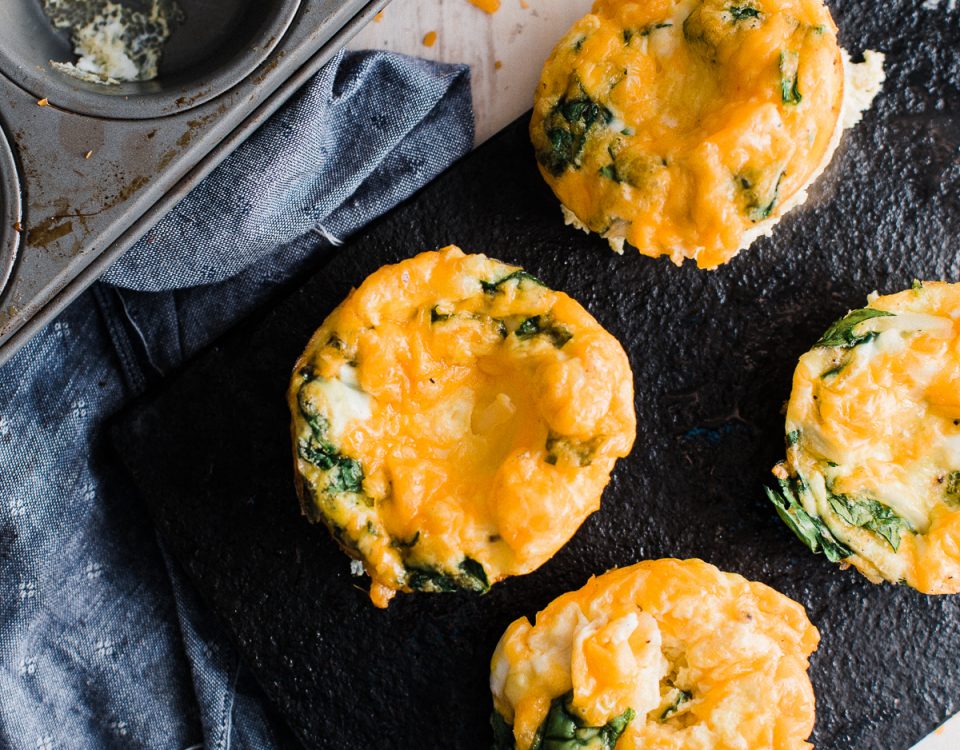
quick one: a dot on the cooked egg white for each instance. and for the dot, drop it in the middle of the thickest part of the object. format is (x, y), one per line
(662, 655)
(687, 128)
(113, 41)
(455, 421)
(872, 475)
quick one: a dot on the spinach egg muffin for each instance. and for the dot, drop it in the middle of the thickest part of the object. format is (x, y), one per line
(662, 655)
(687, 128)
(872, 475)
(455, 421)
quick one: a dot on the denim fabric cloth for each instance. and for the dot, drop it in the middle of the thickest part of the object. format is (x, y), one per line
(102, 642)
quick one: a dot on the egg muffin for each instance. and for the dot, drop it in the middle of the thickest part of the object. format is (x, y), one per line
(872, 474)
(455, 421)
(687, 128)
(661, 655)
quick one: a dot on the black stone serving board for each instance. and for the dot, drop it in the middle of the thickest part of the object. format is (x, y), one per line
(712, 354)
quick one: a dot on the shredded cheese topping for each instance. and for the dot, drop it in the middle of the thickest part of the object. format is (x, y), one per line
(688, 127)
(455, 421)
(874, 436)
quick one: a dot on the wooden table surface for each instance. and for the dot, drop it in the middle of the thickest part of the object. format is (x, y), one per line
(505, 51)
(519, 36)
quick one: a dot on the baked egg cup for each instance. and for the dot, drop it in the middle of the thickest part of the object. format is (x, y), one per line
(872, 474)
(454, 421)
(661, 655)
(688, 128)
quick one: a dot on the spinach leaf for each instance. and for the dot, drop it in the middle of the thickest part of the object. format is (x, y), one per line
(682, 697)
(502, 733)
(347, 476)
(789, 69)
(492, 287)
(742, 12)
(757, 210)
(843, 332)
(951, 489)
(809, 529)
(315, 420)
(405, 543)
(564, 730)
(474, 572)
(472, 577)
(573, 452)
(629, 34)
(421, 578)
(539, 325)
(871, 515)
(566, 129)
(793, 438)
(610, 172)
(319, 454)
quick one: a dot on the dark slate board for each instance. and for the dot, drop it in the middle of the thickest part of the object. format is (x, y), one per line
(712, 354)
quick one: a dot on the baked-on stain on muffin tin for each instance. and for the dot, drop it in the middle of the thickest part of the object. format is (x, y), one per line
(99, 165)
(218, 44)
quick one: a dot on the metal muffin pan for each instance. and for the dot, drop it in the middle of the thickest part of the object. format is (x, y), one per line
(91, 171)
(10, 213)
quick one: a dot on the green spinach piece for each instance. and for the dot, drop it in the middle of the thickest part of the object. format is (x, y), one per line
(573, 452)
(421, 578)
(405, 543)
(629, 34)
(951, 489)
(756, 210)
(743, 12)
(566, 129)
(610, 172)
(492, 287)
(809, 529)
(871, 515)
(539, 325)
(474, 576)
(502, 733)
(843, 333)
(564, 730)
(789, 74)
(683, 696)
(347, 476)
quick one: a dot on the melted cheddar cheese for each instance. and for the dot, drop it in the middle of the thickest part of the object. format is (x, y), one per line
(688, 127)
(662, 655)
(872, 474)
(455, 421)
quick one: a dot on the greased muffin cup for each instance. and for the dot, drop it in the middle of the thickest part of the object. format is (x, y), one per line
(217, 44)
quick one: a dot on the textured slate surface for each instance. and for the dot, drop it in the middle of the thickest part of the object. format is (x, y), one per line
(712, 354)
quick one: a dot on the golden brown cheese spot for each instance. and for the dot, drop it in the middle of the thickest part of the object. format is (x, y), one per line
(680, 125)
(875, 428)
(666, 654)
(455, 421)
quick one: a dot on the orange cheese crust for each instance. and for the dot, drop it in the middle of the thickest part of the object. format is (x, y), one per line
(686, 126)
(873, 427)
(455, 421)
(690, 656)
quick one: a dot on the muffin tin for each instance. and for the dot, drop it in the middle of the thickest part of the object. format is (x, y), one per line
(85, 170)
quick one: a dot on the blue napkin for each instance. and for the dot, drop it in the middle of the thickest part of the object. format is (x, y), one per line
(102, 642)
